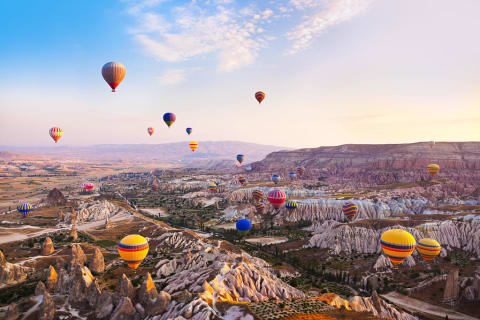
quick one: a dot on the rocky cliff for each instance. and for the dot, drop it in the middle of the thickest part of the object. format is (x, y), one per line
(386, 163)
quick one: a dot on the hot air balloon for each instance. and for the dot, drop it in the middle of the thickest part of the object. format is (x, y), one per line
(259, 206)
(212, 186)
(248, 167)
(397, 245)
(113, 73)
(87, 186)
(243, 226)
(169, 118)
(432, 144)
(193, 145)
(428, 248)
(301, 171)
(259, 96)
(56, 133)
(433, 169)
(24, 208)
(257, 194)
(275, 178)
(189, 130)
(276, 198)
(350, 210)
(292, 175)
(240, 158)
(133, 249)
(150, 131)
(291, 205)
(242, 180)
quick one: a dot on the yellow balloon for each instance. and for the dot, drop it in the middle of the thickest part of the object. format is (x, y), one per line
(428, 248)
(397, 245)
(193, 145)
(133, 249)
(433, 169)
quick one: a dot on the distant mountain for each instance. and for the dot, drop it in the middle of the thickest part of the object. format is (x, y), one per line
(449, 155)
(162, 153)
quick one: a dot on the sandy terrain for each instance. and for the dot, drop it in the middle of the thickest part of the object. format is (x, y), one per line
(267, 240)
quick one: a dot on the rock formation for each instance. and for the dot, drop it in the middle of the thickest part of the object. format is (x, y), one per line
(52, 278)
(47, 248)
(452, 288)
(77, 256)
(73, 233)
(97, 263)
(11, 273)
(56, 198)
(40, 289)
(47, 308)
(12, 312)
(60, 215)
(378, 307)
(108, 224)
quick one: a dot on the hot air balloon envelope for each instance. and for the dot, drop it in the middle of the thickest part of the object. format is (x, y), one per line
(259, 206)
(56, 133)
(276, 198)
(24, 208)
(113, 73)
(275, 178)
(240, 158)
(397, 245)
(242, 180)
(189, 130)
(433, 169)
(350, 210)
(292, 175)
(193, 145)
(243, 225)
(291, 205)
(133, 249)
(169, 118)
(150, 131)
(428, 248)
(259, 96)
(257, 194)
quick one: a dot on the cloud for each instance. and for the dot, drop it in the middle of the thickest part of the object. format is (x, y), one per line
(172, 76)
(202, 28)
(232, 31)
(335, 12)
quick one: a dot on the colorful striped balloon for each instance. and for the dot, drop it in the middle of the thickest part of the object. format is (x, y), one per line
(428, 248)
(113, 73)
(291, 205)
(397, 245)
(259, 206)
(193, 145)
(433, 169)
(24, 208)
(257, 194)
(242, 180)
(212, 186)
(150, 131)
(133, 249)
(56, 133)
(276, 198)
(350, 210)
(259, 96)
(169, 118)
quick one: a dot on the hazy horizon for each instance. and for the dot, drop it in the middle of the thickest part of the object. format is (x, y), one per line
(334, 71)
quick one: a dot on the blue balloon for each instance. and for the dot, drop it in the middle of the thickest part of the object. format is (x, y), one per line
(240, 158)
(292, 175)
(189, 130)
(248, 167)
(275, 178)
(244, 225)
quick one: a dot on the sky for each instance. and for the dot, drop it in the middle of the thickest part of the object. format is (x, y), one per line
(334, 71)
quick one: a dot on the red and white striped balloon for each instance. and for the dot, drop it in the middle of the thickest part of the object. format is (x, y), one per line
(56, 133)
(276, 198)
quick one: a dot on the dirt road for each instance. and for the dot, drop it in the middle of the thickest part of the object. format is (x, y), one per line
(424, 308)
